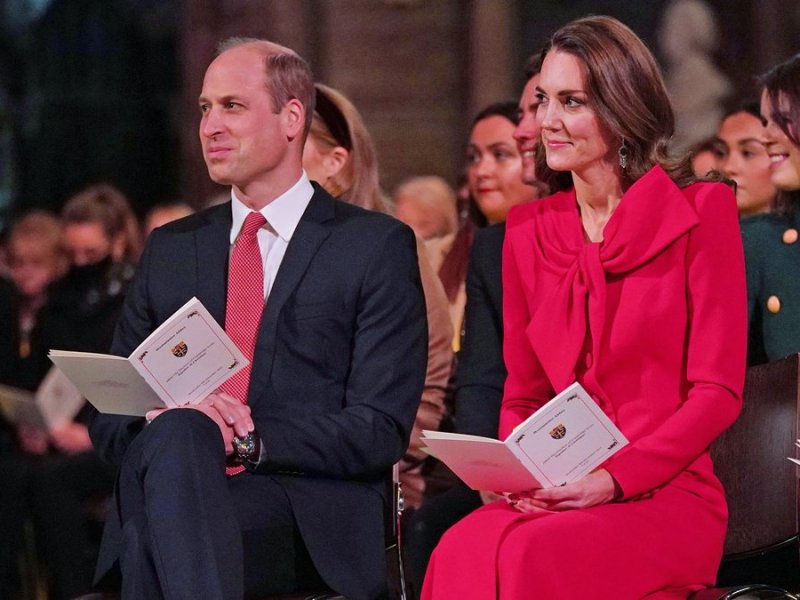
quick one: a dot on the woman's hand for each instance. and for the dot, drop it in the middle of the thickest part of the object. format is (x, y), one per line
(33, 440)
(593, 489)
(71, 438)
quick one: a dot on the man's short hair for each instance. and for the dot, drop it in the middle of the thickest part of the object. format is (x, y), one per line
(288, 75)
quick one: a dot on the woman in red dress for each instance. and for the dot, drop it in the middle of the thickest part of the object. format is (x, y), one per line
(631, 283)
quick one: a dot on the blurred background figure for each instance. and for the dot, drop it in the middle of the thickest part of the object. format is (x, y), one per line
(161, 214)
(427, 204)
(71, 486)
(689, 38)
(705, 156)
(36, 258)
(743, 158)
(772, 241)
(339, 155)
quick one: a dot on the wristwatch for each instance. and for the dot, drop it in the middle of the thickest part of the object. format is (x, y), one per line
(247, 449)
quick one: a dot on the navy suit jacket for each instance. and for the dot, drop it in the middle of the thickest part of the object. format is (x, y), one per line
(337, 374)
(481, 371)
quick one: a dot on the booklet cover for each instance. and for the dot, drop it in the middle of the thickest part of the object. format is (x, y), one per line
(181, 362)
(55, 402)
(561, 442)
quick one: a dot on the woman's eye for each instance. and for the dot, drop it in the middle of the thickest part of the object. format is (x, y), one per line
(572, 102)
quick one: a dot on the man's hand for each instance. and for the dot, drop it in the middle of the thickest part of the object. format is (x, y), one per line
(231, 416)
(591, 490)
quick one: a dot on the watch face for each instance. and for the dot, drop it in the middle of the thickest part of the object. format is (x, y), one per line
(246, 446)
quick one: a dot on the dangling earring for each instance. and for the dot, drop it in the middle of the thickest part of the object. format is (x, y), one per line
(623, 154)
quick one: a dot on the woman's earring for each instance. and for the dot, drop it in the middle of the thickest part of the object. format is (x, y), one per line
(623, 154)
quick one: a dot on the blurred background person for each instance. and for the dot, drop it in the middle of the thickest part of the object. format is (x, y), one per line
(427, 204)
(70, 487)
(36, 258)
(771, 244)
(494, 181)
(705, 156)
(161, 214)
(339, 155)
(743, 158)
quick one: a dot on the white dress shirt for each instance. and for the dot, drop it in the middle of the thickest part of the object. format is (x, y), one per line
(282, 215)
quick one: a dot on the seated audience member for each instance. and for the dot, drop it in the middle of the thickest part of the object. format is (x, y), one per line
(340, 155)
(276, 482)
(636, 269)
(480, 370)
(81, 314)
(36, 258)
(771, 241)
(494, 169)
(705, 157)
(161, 214)
(743, 159)
(428, 205)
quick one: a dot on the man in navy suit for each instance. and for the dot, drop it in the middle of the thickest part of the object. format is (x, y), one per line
(337, 370)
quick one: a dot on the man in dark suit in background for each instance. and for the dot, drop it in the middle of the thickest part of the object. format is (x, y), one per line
(338, 363)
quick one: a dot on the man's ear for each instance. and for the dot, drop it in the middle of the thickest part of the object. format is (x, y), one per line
(294, 114)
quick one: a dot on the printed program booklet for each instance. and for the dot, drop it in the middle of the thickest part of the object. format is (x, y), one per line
(55, 402)
(181, 362)
(561, 442)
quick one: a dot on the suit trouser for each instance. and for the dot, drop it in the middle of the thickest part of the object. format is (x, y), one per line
(190, 532)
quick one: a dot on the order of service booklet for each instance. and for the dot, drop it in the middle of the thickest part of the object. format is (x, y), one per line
(561, 442)
(55, 402)
(187, 357)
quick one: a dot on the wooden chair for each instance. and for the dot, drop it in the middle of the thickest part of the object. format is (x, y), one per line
(761, 487)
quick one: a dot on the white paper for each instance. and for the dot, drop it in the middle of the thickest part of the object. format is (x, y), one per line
(181, 362)
(561, 442)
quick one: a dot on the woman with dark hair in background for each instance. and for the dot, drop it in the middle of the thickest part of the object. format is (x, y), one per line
(771, 242)
(339, 155)
(631, 283)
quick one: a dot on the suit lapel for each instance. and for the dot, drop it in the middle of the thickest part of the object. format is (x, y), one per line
(212, 243)
(313, 228)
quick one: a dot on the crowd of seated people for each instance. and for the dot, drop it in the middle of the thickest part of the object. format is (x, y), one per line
(726, 236)
(67, 278)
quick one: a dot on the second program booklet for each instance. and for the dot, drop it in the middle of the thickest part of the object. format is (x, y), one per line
(561, 442)
(181, 362)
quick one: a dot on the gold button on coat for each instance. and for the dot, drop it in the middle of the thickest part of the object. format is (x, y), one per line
(773, 304)
(790, 236)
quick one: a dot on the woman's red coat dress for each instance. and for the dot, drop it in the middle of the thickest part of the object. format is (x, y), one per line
(652, 322)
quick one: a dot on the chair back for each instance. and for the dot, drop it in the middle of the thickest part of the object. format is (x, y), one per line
(750, 459)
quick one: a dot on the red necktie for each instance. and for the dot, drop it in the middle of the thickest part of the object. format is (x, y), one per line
(244, 306)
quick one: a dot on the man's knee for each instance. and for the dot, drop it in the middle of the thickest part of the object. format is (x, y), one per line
(180, 434)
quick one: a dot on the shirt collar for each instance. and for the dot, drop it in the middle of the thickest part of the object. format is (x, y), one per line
(282, 214)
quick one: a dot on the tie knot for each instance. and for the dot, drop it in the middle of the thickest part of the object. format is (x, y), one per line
(253, 222)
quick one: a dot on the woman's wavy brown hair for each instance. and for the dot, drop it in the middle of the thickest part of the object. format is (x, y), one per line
(626, 91)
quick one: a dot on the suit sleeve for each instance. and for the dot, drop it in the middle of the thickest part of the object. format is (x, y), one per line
(715, 353)
(481, 371)
(386, 375)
